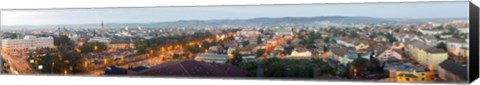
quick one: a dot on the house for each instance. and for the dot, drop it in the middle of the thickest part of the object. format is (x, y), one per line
(430, 32)
(193, 68)
(404, 37)
(387, 53)
(452, 71)
(346, 41)
(342, 55)
(244, 50)
(216, 49)
(212, 58)
(249, 57)
(430, 40)
(398, 46)
(454, 45)
(249, 33)
(380, 39)
(403, 71)
(120, 44)
(464, 30)
(361, 46)
(426, 55)
(300, 52)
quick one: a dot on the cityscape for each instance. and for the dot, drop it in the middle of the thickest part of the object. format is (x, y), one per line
(320, 47)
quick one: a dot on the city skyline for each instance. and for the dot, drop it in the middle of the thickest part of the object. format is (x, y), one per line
(168, 14)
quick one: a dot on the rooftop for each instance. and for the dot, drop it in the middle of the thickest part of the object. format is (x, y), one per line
(193, 68)
(455, 68)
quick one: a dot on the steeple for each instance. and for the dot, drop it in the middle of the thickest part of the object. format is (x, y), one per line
(100, 30)
(126, 27)
(102, 25)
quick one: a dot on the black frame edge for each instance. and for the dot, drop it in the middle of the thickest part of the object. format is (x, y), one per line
(473, 64)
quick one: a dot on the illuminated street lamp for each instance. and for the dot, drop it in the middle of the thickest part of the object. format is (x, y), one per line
(95, 48)
(40, 67)
(32, 61)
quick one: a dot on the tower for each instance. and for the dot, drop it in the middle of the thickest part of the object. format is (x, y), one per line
(102, 28)
(126, 27)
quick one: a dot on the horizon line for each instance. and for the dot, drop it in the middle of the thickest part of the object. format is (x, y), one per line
(220, 19)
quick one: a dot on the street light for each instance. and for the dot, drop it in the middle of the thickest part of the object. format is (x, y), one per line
(40, 67)
(32, 61)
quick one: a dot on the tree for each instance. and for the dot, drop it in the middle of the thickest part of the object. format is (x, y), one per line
(390, 38)
(442, 45)
(62, 40)
(194, 49)
(237, 58)
(13, 36)
(326, 40)
(61, 61)
(360, 64)
(260, 52)
(259, 40)
(140, 45)
(250, 67)
(452, 30)
(93, 47)
(296, 68)
(245, 43)
(288, 49)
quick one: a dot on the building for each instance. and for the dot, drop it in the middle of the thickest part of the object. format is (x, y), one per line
(465, 30)
(388, 53)
(454, 45)
(120, 44)
(193, 68)
(452, 71)
(430, 40)
(426, 55)
(101, 40)
(284, 32)
(345, 41)
(402, 71)
(431, 32)
(361, 46)
(212, 58)
(342, 55)
(249, 33)
(27, 43)
(300, 52)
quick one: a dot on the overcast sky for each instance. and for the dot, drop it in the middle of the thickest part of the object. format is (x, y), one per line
(162, 14)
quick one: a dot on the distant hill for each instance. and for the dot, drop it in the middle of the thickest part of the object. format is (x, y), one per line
(262, 21)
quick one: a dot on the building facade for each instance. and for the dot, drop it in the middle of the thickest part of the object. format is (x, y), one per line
(27, 43)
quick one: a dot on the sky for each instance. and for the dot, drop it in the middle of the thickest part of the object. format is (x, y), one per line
(164, 14)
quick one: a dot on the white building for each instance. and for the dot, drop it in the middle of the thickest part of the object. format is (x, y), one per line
(464, 30)
(249, 33)
(431, 32)
(287, 32)
(212, 58)
(388, 54)
(300, 52)
(100, 39)
(29, 42)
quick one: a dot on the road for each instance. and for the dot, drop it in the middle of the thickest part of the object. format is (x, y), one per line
(18, 65)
